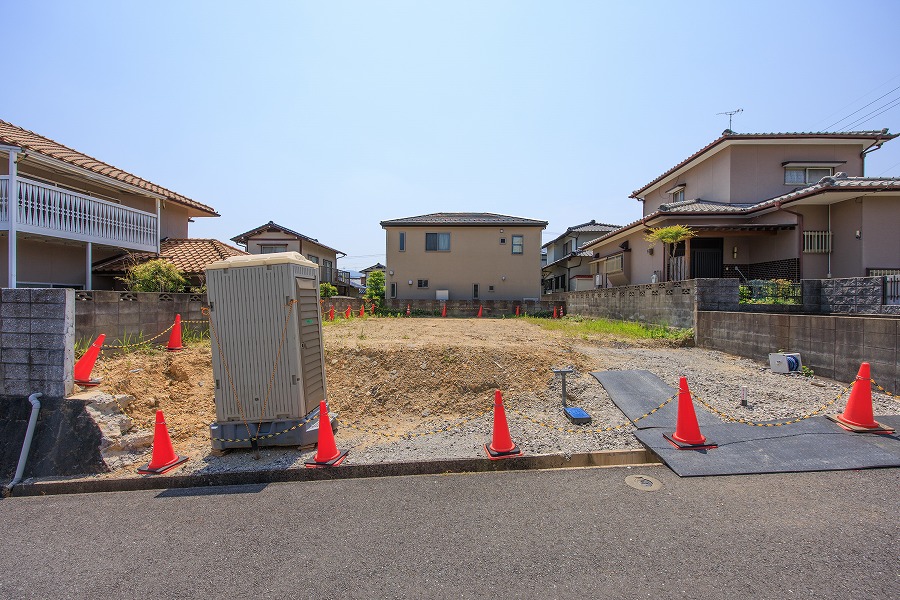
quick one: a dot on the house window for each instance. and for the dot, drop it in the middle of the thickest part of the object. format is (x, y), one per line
(518, 244)
(806, 175)
(677, 193)
(437, 242)
(313, 258)
(816, 242)
(423, 283)
(475, 291)
(272, 248)
(402, 241)
(615, 263)
(502, 241)
(490, 288)
(393, 290)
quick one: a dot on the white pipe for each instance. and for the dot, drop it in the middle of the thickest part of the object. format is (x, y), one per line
(29, 434)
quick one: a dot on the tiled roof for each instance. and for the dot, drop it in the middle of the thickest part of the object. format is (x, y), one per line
(375, 267)
(570, 255)
(698, 205)
(838, 183)
(190, 255)
(272, 226)
(29, 141)
(464, 218)
(591, 226)
(729, 135)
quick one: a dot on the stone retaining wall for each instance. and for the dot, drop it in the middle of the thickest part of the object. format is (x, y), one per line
(469, 308)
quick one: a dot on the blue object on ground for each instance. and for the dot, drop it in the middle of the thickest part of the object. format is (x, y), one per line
(577, 415)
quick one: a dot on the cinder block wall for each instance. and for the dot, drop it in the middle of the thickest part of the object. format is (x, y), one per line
(670, 303)
(37, 329)
(833, 346)
(122, 315)
(469, 308)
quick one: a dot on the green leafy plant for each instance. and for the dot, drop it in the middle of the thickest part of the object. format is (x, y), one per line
(671, 236)
(154, 276)
(806, 371)
(375, 288)
(327, 290)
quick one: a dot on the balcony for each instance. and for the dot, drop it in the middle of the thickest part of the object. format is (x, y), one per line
(335, 276)
(47, 210)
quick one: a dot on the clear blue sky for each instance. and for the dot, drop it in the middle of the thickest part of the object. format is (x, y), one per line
(328, 117)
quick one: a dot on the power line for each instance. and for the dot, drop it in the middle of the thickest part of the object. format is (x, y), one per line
(863, 107)
(882, 84)
(882, 109)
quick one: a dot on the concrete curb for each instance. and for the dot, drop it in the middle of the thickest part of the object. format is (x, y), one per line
(605, 458)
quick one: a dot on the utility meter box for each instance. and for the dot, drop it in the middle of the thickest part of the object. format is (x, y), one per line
(784, 362)
(267, 354)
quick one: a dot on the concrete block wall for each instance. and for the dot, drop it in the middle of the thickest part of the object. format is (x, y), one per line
(469, 308)
(37, 329)
(832, 345)
(670, 303)
(133, 314)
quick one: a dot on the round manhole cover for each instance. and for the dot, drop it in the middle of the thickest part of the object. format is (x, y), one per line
(645, 483)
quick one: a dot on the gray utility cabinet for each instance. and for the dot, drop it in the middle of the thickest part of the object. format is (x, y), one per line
(266, 337)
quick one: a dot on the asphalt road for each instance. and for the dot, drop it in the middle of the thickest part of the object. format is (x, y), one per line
(579, 533)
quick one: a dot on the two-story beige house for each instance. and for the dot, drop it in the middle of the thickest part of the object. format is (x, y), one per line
(463, 256)
(62, 213)
(273, 237)
(568, 267)
(763, 206)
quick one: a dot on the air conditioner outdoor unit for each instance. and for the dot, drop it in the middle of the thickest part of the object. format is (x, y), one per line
(267, 353)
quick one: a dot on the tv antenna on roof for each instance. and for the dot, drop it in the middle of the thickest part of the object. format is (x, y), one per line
(730, 114)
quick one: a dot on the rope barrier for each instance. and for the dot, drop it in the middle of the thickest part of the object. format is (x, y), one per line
(885, 392)
(803, 417)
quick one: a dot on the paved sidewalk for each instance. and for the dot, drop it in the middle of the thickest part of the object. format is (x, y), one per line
(573, 533)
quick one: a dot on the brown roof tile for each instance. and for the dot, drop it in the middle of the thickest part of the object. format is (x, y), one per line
(464, 218)
(190, 255)
(729, 135)
(12, 135)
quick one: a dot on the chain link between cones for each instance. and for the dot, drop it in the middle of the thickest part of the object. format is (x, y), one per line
(885, 392)
(591, 431)
(803, 417)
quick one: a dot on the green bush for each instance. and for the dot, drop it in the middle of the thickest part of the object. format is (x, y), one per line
(154, 276)
(327, 290)
(375, 289)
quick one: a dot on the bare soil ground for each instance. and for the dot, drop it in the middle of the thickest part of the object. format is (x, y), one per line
(388, 377)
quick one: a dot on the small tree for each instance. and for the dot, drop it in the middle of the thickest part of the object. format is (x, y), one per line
(672, 235)
(327, 290)
(154, 276)
(375, 288)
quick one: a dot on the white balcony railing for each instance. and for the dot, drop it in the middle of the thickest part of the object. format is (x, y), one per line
(56, 212)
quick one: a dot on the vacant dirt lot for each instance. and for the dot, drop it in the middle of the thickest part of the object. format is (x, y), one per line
(392, 380)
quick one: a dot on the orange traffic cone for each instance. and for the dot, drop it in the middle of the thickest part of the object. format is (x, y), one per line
(362, 310)
(327, 454)
(554, 313)
(480, 309)
(501, 445)
(857, 417)
(331, 313)
(85, 364)
(174, 344)
(164, 458)
(517, 310)
(407, 310)
(347, 312)
(444, 309)
(687, 434)
(561, 311)
(372, 310)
